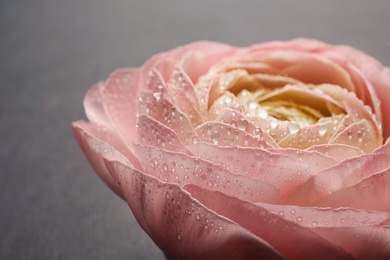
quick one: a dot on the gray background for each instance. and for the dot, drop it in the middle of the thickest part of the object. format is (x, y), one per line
(52, 205)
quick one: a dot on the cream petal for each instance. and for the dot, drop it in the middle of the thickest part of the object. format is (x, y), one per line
(275, 81)
(180, 225)
(308, 136)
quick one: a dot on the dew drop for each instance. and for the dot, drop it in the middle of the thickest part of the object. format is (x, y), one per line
(262, 113)
(293, 128)
(242, 124)
(321, 130)
(314, 223)
(215, 138)
(252, 105)
(273, 123)
(228, 100)
(157, 96)
(256, 132)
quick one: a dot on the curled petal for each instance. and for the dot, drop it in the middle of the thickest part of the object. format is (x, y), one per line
(180, 225)
(153, 133)
(361, 195)
(292, 240)
(183, 169)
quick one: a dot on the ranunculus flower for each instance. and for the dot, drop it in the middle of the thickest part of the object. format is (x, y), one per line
(273, 151)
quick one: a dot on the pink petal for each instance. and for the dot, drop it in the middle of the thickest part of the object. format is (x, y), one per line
(120, 102)
(337, 152)
(359, 232)
(292, 240)
(373, 74)
(101, 127)
(371, 193)
(315, 217)
(346, 174)
(355, 108)
(196, 63)
(153, 133)
(181, 226)
(222, 134)
(183, 169)
(157, 103)
(94, 107)
(182, 87)
(360, 242)
(361, 134)
(279, 170)
(316, 70)
(96, 150)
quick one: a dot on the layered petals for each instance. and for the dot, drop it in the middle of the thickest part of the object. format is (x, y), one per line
(275, 151)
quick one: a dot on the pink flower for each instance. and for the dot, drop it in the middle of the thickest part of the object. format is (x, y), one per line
(267, 152)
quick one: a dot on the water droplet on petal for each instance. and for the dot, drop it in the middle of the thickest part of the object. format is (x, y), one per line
(252, 105)
(322, 130)
(256, 132)
(228, 100)
(273, 123)
(262, 113)
(157, 96)
(293, 128)
(242, 124)
(215, 138)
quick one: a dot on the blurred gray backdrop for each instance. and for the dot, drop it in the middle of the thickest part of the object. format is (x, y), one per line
(52, 205)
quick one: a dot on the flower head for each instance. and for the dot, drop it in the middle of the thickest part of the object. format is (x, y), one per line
(275, 150)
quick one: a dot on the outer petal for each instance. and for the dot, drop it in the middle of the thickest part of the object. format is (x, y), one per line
(96, 150)
(120, 102)
(183, 169)
(360, 232)
(361, 195)
(292, 240)
(153, 133)
(280, 170)
(180, 225)
(337, 152)
(346, 174)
